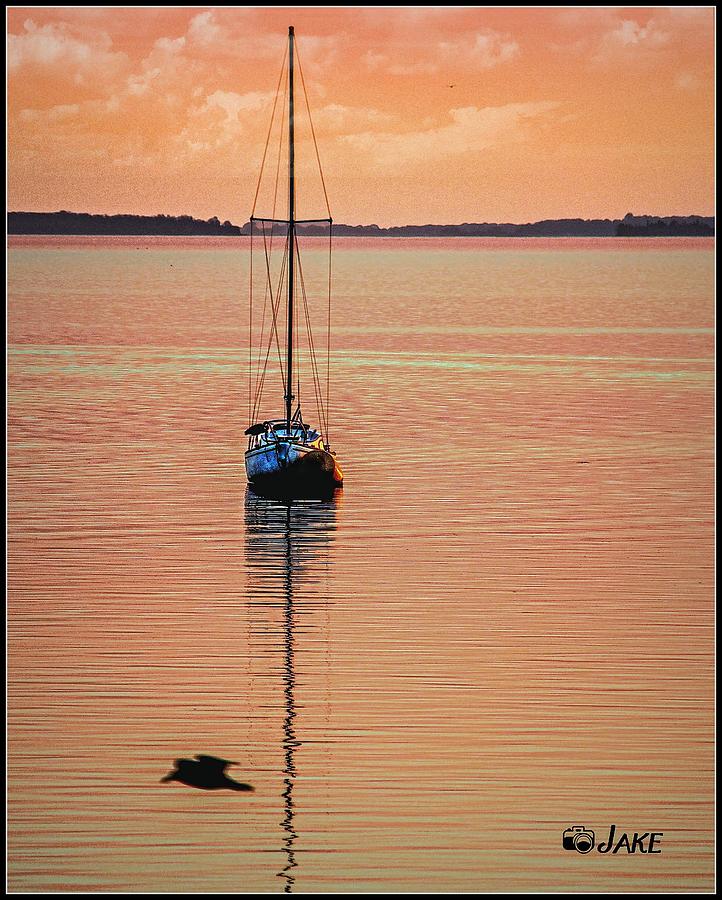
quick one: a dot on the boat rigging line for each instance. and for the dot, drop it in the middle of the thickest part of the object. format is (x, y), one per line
(290, 268)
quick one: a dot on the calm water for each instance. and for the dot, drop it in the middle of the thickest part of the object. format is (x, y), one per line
(501, 627)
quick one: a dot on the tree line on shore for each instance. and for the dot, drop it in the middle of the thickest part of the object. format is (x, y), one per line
(65, 222)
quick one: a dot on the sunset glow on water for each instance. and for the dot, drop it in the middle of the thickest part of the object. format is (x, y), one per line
(501, 626)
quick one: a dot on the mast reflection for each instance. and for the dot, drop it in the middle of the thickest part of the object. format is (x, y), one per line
(288, 550)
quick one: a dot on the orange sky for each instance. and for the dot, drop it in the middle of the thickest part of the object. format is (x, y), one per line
(422, 114)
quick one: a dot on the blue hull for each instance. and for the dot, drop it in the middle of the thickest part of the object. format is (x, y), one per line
(273, 459)
(291, 468)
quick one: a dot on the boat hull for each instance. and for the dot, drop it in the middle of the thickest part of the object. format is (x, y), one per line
(291, 468)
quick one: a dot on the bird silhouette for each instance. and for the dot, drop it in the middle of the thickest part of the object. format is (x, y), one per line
(205, 772)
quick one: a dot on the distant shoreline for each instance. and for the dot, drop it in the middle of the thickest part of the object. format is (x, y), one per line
(88, 225)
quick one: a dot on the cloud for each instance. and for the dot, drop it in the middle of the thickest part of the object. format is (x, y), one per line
(230, 36)
(139, 84)
(54, 114)
(335, 117)
(471, 130)
(628, 36)
(320, 51)
(606, 35)
(479, 50)
(170, 45)
(169, 109)
(203, 29)
(55, 47)
(482, 50)
(233, 104)
(218, 125)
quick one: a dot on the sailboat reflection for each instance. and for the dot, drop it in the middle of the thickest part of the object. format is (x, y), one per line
(288, 551)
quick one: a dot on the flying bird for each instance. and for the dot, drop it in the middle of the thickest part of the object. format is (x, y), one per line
(205, 772)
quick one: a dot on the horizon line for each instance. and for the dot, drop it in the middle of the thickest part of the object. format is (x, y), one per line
(374, 224)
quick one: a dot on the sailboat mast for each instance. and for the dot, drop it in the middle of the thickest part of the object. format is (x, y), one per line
(291, 234)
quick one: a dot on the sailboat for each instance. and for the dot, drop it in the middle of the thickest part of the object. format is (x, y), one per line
(285, 455)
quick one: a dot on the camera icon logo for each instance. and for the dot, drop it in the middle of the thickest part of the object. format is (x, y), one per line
(578, 838)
